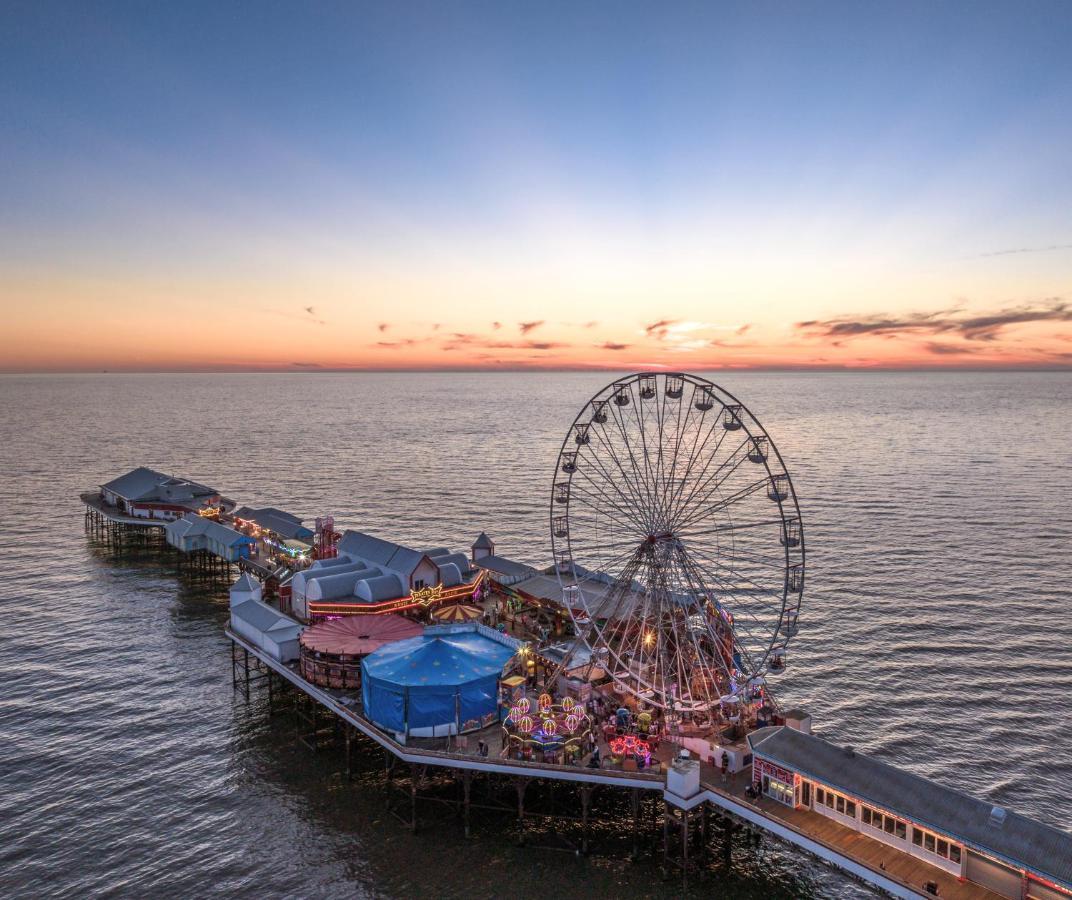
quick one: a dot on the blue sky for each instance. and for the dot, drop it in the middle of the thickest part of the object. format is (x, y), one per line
(248, 145)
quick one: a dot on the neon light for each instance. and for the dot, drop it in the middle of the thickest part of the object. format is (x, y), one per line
(631, 745)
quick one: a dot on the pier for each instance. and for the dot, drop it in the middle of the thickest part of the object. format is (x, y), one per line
(520, 653)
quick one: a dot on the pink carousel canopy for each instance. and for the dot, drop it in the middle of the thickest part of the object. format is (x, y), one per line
(358, 635)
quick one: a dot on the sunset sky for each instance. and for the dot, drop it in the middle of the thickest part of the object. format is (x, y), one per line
(309, 186)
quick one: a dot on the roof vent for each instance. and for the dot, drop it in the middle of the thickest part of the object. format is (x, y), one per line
(997, 816)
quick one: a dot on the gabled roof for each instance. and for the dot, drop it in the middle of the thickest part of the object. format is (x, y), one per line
(508, 567)
(282, 523)
(212, 529)
(148, 484)
(265, 619)
(135, 483)
(383, 553)
(246, 582)
(405, 560)
(483, 542)
(374, 549)
(1041, 848)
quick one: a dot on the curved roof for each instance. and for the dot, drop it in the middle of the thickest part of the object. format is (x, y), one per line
(458, 559)
(439, 659)
(358, 635)
(382, 587)
(335, 586)
(449, 575)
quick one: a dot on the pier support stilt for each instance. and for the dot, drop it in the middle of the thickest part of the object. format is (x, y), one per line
(634, 805)
(586, 804)
(520, 784)
(467, 782)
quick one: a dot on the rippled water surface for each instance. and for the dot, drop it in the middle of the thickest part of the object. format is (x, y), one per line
(936, 631)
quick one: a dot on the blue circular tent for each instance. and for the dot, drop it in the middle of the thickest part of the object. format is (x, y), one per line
(443, 682)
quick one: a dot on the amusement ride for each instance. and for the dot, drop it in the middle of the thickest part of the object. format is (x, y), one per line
(679, 545)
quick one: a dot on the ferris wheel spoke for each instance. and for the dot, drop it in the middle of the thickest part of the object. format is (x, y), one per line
(702, 491)
(645, 454)
(630, 506)
(695, 584)
(630, 499)
(680, 430)
(632, 481)
(591, 501)
(697, 451)
(702, 512)
(643, 489)
(777, 563)
(720, 565)
(706, 475)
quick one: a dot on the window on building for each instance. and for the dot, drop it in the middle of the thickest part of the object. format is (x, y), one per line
(418, 584)
(820, 796)
(850, 808)
(941, 847)
(866, 815)
(902, 830)
(779, 790)
(840, 803)
(889, 823)
(829, 800)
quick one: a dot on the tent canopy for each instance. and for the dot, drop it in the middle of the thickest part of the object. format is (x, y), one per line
(358, 635)
(433, 680)
(440, 659)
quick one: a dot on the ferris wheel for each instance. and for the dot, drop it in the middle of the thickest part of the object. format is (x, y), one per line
(678, 542)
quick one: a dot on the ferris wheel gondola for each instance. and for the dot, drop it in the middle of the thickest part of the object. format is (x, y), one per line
(678, 540)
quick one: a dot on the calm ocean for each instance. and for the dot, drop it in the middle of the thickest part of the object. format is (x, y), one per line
(936, 631)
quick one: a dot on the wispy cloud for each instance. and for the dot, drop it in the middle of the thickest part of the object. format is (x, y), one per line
(383, 326)
(306, 365)
(947, 321)
(307, 315)
(1016, 250)
(496, 325)
(611, 345)
(660, 329)
(940, 349)
(526, 327)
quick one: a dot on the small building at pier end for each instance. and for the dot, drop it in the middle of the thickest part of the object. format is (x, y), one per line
(1009, 854)
(147, 494)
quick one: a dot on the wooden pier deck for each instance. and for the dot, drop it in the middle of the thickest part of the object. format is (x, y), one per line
(911, 872)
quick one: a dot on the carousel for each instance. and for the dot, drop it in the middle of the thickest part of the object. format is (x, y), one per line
(331, 652)
(547, 731)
